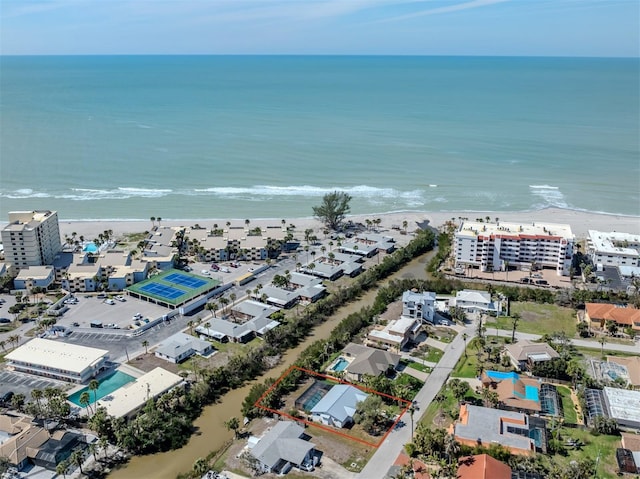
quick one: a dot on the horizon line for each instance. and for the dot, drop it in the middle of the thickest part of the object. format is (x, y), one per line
(408, 55)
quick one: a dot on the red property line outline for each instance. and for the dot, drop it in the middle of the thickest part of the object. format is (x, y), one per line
(321, 426)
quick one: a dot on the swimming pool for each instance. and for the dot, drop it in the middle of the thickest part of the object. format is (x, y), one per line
(90, 248)
(340, 365)
(500, 375)
(107, 386)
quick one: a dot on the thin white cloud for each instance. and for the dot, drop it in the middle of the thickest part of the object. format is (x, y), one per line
(446, 9)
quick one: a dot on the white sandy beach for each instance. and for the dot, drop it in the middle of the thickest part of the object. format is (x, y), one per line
(580, 221)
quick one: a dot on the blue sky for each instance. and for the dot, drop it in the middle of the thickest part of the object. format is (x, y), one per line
(398, 27)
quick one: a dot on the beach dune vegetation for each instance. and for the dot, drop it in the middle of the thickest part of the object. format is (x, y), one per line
(333, 210)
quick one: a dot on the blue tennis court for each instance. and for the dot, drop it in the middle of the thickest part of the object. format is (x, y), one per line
(184, 280)
(162, 290)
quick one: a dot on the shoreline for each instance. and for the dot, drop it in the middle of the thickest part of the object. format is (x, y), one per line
(580, 221)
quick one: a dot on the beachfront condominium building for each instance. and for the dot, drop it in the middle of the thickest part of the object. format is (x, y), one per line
(500, 246)
(614, 249)
(32, 238)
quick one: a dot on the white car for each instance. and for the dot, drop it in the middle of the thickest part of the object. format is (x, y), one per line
(109, 301)
(120, 298)
(205, 272)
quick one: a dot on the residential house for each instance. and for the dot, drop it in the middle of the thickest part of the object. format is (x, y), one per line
(598, 314)
(281, 298)
(23, 443)
(524, 354)
(621, 405)
(480, 426)
(475, 302)
(338, 406)
(308, 287)
(419, 305)
(225, 331)
(396, 334)
(523, 394)
(482, 466)
(630, 366)
(282, 447)
(249, 309)
(181, 346)
(366, 361)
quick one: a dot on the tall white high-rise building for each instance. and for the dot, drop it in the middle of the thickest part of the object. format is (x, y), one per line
(32, 238)
(496, 246)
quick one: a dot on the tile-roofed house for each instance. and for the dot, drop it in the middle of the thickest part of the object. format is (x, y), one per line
(368, 361)
(282, 445)
(597, 314)
(524, 353)
(485, 426)
(482, 466)
(338, 406)
(632, 365)
(182, 346)
(515, 392)
(19, 436)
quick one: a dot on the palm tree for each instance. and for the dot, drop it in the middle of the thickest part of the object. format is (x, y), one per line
(61, 469)
(84, 399)
(464, 338)
(405, 224)
(190, 324)
(515, 318)
(77, 459)
(153, 221)
(3, 344)
(200, 467)
(37, 394)
(94, 384)
(233, 425)
(602, 341)
(451, 447)
(158, 219)
(145, 345)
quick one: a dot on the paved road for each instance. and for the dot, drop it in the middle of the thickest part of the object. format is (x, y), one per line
(583, 343)
(383, 458)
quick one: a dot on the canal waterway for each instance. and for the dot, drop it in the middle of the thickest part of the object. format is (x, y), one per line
(212, 434)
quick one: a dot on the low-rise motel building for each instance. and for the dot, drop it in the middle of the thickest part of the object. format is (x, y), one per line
(499, 246)
(57, 360)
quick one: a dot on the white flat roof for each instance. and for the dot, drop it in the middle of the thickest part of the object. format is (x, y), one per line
(623, 403)
(470, 228)
(133, 395)
(603, 242)
(64, 356)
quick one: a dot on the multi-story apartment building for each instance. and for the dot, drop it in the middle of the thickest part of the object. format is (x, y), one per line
(614, 249)
(498, 246)
(32, 238)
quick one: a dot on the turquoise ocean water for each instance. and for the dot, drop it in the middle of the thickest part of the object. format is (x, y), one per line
(247, 137)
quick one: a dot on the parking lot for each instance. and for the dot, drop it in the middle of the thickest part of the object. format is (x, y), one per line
(90, 308)
(21, 383)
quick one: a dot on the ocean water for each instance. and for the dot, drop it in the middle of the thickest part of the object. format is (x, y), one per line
(245, 137)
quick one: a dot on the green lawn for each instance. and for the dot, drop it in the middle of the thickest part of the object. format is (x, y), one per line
(568, 408)
(468, 367)
(446, 409)
(600, 446)
(538, 319)
(430, 354)
(418, 366)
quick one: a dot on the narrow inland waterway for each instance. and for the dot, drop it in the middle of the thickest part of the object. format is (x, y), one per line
(212, 434)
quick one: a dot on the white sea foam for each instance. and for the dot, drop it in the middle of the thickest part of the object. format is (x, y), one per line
(24, 193)
(543, 187)
(550, 196)
(360, 191)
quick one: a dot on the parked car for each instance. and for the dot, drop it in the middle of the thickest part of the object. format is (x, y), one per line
(225, 269)
(5, 320)
(137, 316)
(205, 272)
(75, 325)
(215, 267)
(542, 281)
(109, 301)
(121, 298)
(6, 397)
(525, 280)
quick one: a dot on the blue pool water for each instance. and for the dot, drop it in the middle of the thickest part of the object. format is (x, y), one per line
(90, 248)
(340, 365)
(531, 393)
(107, 386)
(500, 375)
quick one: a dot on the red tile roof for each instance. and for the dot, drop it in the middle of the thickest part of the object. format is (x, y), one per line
(611, 312)
(482, 466)
(420, 470)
